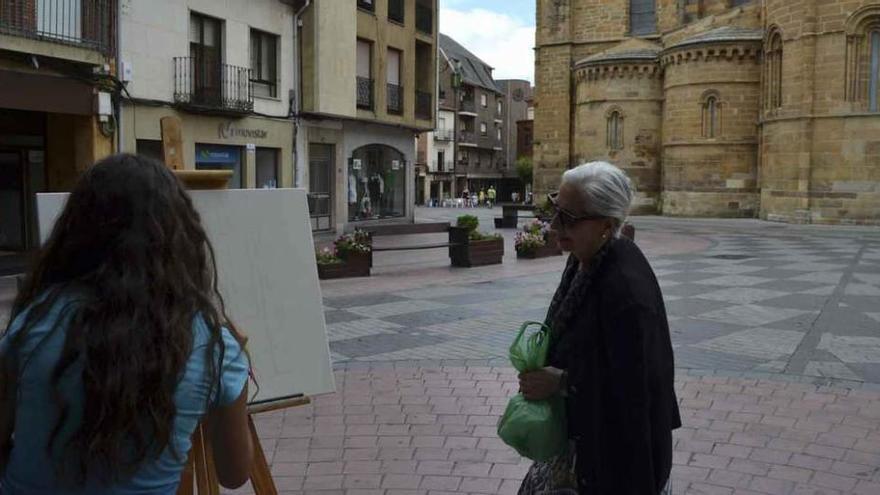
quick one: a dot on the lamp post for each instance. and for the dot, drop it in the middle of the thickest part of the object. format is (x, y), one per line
(456, 86)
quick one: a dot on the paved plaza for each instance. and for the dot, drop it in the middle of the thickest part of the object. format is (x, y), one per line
(776, 330)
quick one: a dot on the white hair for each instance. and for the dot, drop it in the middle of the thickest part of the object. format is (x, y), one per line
(605, 190)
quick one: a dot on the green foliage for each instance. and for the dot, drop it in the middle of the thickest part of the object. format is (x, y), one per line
(327, 256)
(358, 242)
(524, 169)
(479, 236)
(468, 222)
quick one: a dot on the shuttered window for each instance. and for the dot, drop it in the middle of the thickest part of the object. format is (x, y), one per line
(642, 17)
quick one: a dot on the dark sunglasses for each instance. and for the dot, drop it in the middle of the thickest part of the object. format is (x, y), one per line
(567, 218)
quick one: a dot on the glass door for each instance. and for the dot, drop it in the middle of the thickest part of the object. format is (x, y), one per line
(12, 218)
(205, 42)
(321, 186)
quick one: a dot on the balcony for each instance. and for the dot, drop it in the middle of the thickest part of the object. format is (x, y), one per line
(365, 93)
(84, 24)
(424, 18)
(213, 87)
(467, 138)
(366, 5)
(395, 98)
(468, 106)
(443, 135)
(424, 105)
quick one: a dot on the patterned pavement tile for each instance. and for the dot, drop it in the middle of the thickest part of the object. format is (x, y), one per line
(396, 308)
(751, 315)
(760, 343)
(852, 349)
(741, 295)
(359, 328)
(735, 281)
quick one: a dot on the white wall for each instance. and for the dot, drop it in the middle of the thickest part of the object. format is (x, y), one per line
(155, 31)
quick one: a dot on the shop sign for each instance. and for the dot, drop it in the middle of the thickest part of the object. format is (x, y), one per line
(227, 130)
(395, 164)
(356, 163)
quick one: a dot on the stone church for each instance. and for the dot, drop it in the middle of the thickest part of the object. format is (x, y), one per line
(719, 108)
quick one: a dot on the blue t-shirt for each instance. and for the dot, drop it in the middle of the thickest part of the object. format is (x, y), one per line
(31, 471)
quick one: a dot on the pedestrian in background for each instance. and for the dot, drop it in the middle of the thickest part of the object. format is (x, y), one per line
(610, 353)
(118, 345)
(482, 197)
(491, 194)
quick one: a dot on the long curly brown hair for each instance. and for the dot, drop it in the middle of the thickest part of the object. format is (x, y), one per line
(130, 245)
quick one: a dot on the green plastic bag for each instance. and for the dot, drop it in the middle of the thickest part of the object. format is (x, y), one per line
(536, 429)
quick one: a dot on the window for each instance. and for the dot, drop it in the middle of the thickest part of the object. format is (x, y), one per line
(392, 77)
(711, 115)
(874, 80)
(206, 57)
(615, 131)
(773, 75)
(395, 10)
(264, 63)
(267, 168)
(366, 5)
(499, 107)
(863, 59)
(321, 185)
(483, 129)
(498, 133)
(642, 17)
(483, 100)
(376, 183)
(218, 157)
(364, 74)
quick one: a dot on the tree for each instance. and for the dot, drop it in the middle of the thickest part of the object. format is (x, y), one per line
(524, 170)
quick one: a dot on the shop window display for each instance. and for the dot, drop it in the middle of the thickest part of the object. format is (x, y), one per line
(376, 183)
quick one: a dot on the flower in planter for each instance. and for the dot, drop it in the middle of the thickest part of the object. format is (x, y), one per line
(534, 235)
(471, 223)
(357, 242)
(327, 256)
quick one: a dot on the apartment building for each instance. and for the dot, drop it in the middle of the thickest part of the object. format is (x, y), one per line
(56, 111)
(225, 70)
(368, 88)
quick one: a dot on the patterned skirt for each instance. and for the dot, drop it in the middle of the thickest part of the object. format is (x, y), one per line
(558, 477)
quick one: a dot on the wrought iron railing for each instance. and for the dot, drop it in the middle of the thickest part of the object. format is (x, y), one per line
(395, 10)
(86, 23)
(424, 18)
(365, 93)
(467, 137)
(467, 106)
(212, 86)
(424, 104)
(443, 134)
(395, 98)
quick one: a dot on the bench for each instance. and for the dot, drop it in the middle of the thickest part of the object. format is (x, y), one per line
(510, 215)
(408, 229)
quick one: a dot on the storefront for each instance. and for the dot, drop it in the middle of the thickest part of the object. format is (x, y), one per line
(257, 150)
(376, 183)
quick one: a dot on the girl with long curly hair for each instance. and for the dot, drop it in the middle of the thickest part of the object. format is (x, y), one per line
(119, 344)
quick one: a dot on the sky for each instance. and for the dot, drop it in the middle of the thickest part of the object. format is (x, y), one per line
(501, 32)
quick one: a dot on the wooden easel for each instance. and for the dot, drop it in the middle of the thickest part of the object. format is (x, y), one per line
(200, 470)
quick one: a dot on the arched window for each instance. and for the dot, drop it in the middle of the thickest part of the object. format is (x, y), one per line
(773, 72)
(642, 17)
(874, 79)
(615, 131)
(863, 59)
(711, 115)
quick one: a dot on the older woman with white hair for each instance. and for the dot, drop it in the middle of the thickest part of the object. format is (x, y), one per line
(611, 354)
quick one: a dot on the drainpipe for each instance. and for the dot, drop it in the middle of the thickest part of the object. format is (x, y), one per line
(119, 127)
(297, 99)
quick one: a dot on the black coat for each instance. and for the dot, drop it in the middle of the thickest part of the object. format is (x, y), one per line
(621, 400)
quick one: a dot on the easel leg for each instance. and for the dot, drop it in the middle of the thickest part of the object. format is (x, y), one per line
(261, 475)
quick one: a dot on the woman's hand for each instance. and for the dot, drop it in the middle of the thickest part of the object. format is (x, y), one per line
(541, 384)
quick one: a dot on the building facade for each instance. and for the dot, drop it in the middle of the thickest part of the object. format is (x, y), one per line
(225, 70)
(367, 85)
(729, 108)
(515, 94)
(56, 107)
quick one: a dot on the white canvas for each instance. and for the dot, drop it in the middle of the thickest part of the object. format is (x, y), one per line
(268, 278)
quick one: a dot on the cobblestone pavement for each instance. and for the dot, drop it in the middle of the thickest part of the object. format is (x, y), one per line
(776, 331)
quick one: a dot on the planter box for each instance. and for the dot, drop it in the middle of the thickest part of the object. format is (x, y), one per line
(469, 253)
(355, 265)
(550, 249)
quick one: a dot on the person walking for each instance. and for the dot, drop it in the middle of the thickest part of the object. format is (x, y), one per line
(610, 355)
(491, 194)
(118, 346)
(482, 197)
